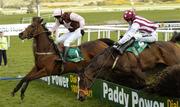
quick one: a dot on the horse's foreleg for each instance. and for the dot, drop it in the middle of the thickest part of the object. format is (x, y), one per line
(33, 76)
(23, 89)
(19, 85)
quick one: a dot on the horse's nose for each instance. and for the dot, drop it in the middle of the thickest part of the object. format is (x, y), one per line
(81, 98)
(20, 34)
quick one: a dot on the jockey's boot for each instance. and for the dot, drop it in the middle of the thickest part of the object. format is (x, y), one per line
(61, 58)
(65, 53)
(60, 54)
(124, 46)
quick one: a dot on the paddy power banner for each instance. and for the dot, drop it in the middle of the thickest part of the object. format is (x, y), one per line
(116, 95)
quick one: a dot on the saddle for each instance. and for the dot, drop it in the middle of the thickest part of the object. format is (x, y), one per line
(137, 47)
(74, 55)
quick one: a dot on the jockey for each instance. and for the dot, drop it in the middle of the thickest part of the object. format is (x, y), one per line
(140, 29)
(73, 22)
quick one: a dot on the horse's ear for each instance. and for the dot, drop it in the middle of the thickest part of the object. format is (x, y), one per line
(41, 20)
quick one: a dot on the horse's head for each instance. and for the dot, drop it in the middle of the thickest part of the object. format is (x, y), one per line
(84, 85)
(34, 29)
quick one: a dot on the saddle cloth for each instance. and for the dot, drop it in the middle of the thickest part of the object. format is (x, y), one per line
(74, 55)
(137, 47)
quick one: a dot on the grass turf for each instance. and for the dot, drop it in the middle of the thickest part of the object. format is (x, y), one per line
(103, 17)
(39, 94)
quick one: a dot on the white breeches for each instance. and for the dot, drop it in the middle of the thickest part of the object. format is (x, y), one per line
(69, 37)
(143, 37)
(146, 37)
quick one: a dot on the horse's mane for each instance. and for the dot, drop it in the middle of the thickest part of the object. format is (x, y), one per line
(108, 41)
(50, 39)
(46, 29)
(109, 50)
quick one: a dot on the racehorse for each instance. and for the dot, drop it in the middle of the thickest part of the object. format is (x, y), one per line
(128, 69)
(45, 54)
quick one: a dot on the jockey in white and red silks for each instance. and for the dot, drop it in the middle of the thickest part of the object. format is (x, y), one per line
(139, 29)
(73, 22)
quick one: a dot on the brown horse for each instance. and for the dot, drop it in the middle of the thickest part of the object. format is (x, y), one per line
(128, 69)
(45, 54)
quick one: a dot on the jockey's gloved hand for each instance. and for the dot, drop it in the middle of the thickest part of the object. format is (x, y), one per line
(52, 37)
(116, 45)
(49, 33)
(82, 32)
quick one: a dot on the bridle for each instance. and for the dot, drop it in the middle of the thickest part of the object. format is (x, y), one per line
(42, 53)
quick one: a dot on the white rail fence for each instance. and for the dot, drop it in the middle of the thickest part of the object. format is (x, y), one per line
(103, 31)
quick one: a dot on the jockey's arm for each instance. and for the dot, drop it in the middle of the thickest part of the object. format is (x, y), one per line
(78, 18)
(55, 26)
(54, 29)
(130, 33)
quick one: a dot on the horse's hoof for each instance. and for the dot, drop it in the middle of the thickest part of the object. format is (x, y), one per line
(22, 97)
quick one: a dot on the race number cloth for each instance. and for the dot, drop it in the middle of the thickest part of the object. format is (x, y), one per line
(137, 47)
(74, 55)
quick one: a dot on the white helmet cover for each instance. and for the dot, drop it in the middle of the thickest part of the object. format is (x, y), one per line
(57, 12)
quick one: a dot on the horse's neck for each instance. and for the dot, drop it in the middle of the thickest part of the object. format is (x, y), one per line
(42, 44)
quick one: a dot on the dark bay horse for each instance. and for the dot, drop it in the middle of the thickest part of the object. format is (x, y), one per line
(128, 69)
(45, 54)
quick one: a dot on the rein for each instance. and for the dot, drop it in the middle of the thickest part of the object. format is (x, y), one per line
(115, 62)
(40, 33)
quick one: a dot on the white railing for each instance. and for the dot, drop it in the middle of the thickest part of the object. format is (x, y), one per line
(103, 31)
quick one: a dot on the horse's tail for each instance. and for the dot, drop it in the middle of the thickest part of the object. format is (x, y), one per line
(109, 42)
(176, 37)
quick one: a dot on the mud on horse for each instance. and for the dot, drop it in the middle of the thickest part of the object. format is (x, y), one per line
(45, 54)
